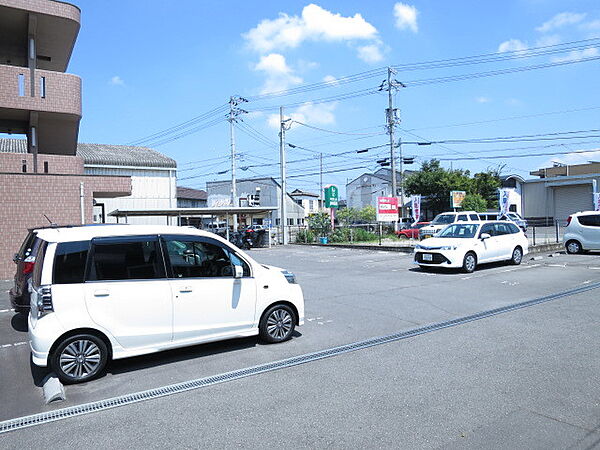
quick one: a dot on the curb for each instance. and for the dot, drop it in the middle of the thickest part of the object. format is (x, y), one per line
(542, 248)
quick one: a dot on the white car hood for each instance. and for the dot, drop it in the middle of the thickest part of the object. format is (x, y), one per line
(436, 243)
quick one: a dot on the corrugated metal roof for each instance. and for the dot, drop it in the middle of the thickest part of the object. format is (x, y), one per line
(191, 194)
(103, 154)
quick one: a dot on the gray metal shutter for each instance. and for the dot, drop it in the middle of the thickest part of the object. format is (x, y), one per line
(571, 199)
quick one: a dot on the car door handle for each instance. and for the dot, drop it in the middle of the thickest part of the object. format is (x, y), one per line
(101, 293)
(185, 289)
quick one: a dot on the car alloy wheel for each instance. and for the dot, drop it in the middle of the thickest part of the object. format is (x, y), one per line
(277, 324)
(469, 262)
(517, 256)
(573, 247)
(79, 358)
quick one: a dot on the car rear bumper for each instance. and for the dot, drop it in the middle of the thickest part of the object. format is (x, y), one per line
(43, 332)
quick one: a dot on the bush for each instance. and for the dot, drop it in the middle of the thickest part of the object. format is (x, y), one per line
(361, 235)
(474, 202)
(340, 235)
(305, 236)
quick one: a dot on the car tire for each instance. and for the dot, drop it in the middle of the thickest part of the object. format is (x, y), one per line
(79, 358)
(573, 247)
(470, 262)
(277, 324)
(517, 256)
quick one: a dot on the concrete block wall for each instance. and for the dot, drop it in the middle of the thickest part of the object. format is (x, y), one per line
(26, 197)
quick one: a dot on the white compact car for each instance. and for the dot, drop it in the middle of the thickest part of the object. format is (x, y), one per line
(441, 221)
(582, 232)
(124, 290)
(465, 245)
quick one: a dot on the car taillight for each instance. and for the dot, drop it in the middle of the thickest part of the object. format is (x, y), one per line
(28, 266)
(44, 301)
(569, 220)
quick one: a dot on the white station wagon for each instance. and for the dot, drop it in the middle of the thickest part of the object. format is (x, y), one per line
(465, 245)
(116, 291)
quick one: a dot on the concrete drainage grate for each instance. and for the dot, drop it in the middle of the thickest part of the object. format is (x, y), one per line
(38, 419)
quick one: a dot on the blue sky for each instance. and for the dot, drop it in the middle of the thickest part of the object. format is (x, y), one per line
(148, 68)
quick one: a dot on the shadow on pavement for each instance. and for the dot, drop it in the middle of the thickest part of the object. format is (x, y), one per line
(19, 322)
(455, 271)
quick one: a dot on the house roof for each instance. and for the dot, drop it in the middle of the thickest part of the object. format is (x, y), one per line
(103, 154)
(298, 192)
(191, 194)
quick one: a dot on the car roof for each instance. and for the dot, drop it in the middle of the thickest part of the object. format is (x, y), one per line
(71, 234)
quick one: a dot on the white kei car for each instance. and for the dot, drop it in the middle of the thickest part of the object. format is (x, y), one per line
(465, 245)
(116, 291)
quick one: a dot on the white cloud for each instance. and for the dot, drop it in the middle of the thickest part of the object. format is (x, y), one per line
(514, 102)
(315, 24)
(591, 26)
(406, 17)
(370, 53)
(561, 20)
(117, 81)
(483, 99)
(309, 113)
(279, 76)
(330, 79)
(512, 45)
(577, 55)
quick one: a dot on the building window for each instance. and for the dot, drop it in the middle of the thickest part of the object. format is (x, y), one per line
(24, 166)
(45, 166)
(43, 87)
(277, 222)
(21, 82)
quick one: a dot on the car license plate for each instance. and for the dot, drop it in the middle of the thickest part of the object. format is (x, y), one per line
(427, 257)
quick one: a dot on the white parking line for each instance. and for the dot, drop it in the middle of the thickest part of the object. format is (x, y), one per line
(16, 344)
(5, 310)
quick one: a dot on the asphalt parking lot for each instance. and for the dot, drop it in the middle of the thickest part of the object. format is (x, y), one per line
(522, 379)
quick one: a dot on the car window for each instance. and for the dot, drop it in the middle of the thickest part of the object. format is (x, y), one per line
(443, 219)
(474, 216)
(590, 220)
(190, 257)
(36, 278)
(462, 218)
(487, 228)
(459, 231)
(501, 229)
(126, 259)
(69, 262)
(513, 228)
(27, 245)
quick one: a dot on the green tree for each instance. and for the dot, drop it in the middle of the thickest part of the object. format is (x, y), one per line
(367, 214)
(346, 216)
(320, 222)
(486, 184)
(435, 182)
(474, 202)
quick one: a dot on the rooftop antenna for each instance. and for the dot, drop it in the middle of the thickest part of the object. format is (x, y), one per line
(52, 224)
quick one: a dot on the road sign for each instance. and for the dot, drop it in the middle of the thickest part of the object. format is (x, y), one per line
(331, 196)
(456, 198)
(387, 209)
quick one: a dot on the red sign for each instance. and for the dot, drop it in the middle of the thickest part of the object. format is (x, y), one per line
(387, 209)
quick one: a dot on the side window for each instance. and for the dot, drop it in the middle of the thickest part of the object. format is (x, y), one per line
(501, 229)
(69, 262)
(462, 218)
(474, 217)
(199, 258)
(487, 228)
(126, 259)
(36, 277)
(513, 228)
(591, 220)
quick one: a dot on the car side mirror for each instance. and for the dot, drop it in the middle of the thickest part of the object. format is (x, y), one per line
(16, 258)
(484, 236)
(238, 271)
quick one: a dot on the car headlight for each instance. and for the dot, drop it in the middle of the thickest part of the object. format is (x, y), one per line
(448, 247)
(289, 276)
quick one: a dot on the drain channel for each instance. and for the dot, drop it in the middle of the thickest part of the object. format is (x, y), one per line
(42, 418)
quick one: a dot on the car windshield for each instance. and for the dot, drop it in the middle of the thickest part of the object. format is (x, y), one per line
(513, 216)
(443, 219)
(459, 231)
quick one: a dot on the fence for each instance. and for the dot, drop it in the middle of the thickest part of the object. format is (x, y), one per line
(547, 232)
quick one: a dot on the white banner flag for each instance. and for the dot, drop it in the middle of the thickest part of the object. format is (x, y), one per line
(416, 207)
(504, 200)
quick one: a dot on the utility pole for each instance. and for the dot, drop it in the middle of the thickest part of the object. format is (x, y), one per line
(233, 117)
(283, 126)
(391, 124)
(321, 181)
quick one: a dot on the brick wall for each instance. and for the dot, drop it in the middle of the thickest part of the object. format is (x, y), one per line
(54, 8)
(24, 198)
(57, 164)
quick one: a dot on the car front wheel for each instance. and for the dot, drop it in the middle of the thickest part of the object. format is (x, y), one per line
(470, 262)
(517, 256)
(277, 324)
(79, 358)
